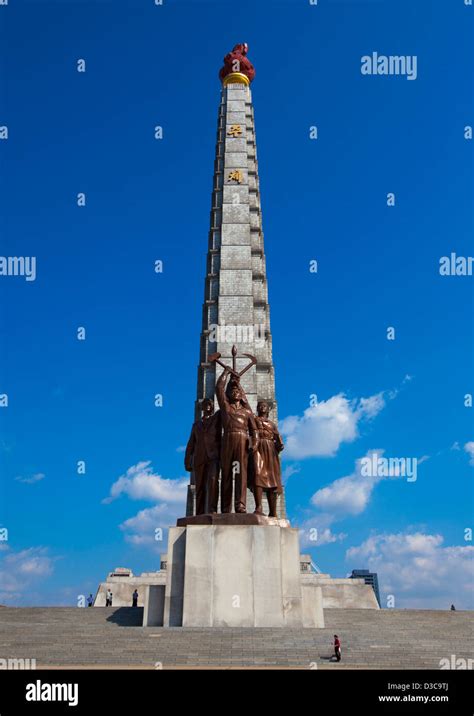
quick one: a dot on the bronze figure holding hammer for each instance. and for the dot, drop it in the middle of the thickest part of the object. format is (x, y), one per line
(240, 434)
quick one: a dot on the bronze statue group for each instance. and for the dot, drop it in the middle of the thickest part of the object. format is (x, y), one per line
(242, 446)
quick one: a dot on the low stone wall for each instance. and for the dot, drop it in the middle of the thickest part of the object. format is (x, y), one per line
(343, 593)
(122, 589)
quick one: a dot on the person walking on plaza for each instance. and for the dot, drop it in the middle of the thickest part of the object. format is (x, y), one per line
(337, 647)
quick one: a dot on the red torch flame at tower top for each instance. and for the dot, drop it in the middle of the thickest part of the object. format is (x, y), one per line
(237, 67)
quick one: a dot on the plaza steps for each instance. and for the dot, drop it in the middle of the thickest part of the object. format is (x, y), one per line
(113, 636)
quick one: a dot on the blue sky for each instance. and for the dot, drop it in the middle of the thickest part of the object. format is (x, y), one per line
(148, 199)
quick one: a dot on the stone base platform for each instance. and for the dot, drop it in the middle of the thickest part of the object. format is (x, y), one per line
(234, 575)
(232, 519)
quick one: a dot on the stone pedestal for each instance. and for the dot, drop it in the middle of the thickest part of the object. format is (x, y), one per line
(232, 519)
(237, 576)
(154, 605)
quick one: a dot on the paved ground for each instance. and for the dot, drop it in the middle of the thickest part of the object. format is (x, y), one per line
(113, 637)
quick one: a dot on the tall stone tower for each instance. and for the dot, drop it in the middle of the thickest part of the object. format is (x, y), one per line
(235, 308)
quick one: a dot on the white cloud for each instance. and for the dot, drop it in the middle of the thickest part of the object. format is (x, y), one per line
(395, 391)
(326, 536)
(33, 561)
(325, 426)
(418, 570)
(31, 480)
(351, 494)
(315, 532)
(140, 483)
(288, 471)
(19, 571)
(370, 407)
(142, 528)
(348, 495)
(345, 496)
(469, 448)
